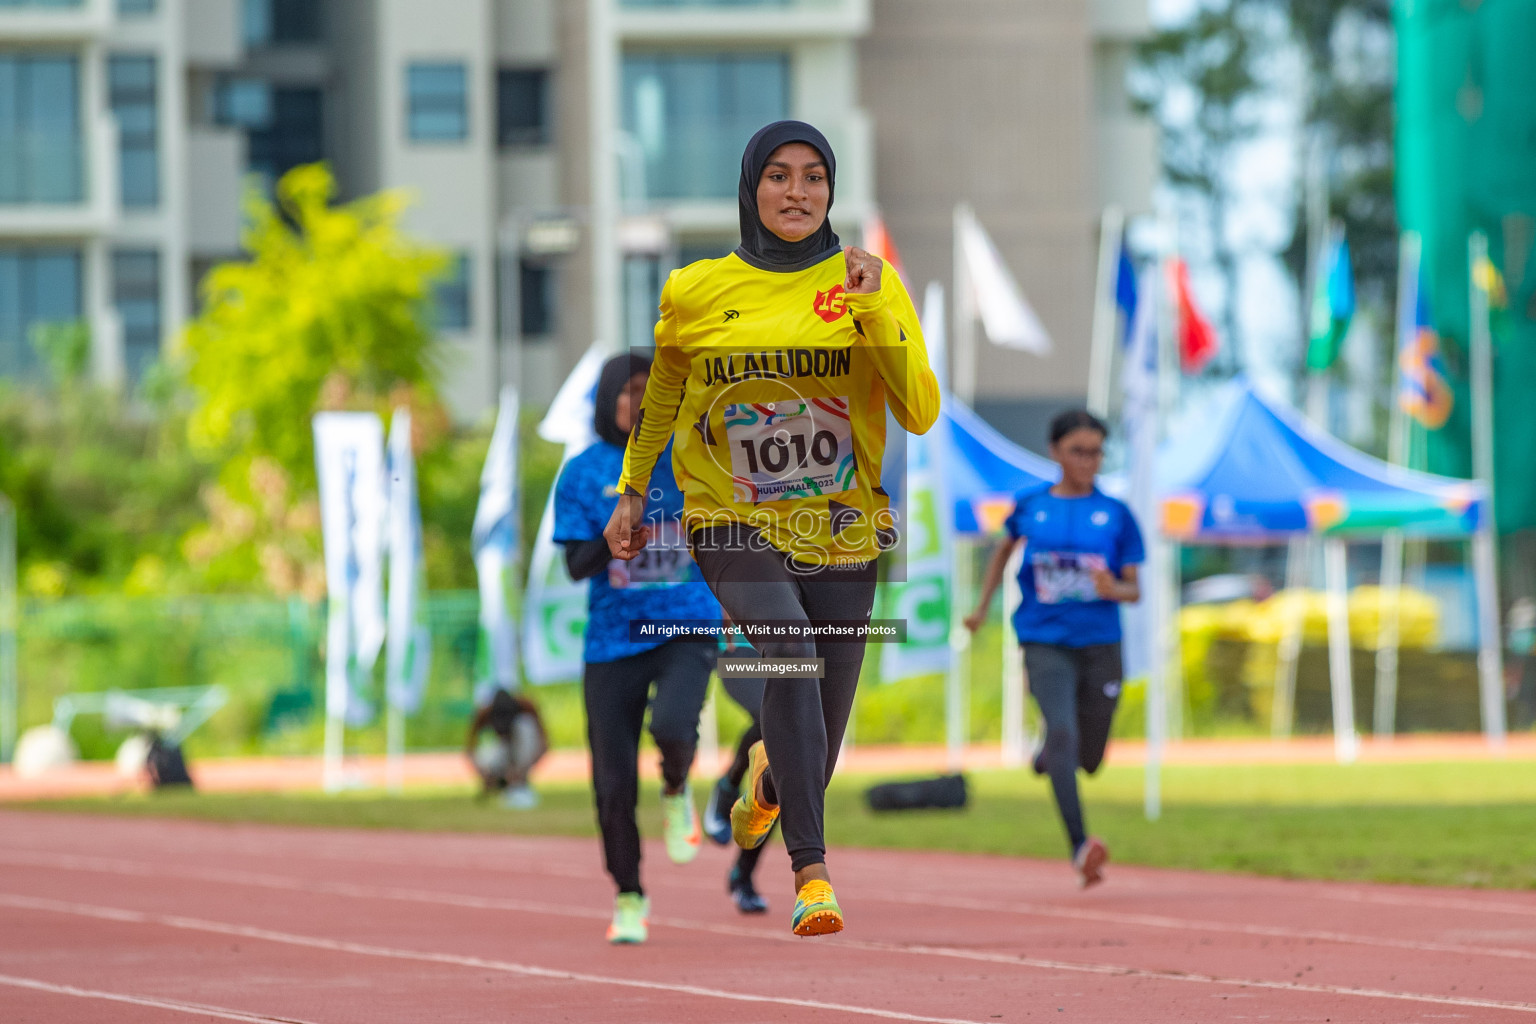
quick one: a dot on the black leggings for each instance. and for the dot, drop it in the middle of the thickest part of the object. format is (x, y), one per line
(803, 720)
(616, 694)
(1076, 689)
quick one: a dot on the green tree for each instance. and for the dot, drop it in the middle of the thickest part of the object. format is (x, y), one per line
(330, 311)
(104, 487)
(1202, 80)
(1351, 71)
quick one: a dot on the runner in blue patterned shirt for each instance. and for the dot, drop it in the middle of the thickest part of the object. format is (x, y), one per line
(624, 674)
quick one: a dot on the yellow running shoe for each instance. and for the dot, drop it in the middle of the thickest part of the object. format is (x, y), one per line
(750, 820)
(816, 910)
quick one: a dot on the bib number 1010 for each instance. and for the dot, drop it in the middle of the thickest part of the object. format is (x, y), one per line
(772, 454)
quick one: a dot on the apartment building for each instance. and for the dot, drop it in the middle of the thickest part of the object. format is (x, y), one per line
(569, 153)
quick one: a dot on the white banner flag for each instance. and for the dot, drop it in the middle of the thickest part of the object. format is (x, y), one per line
(1140, 425)
(349, 459)
(556, 621)
(408, 649)
(495, 541)
(1009, 320)
(923, 598)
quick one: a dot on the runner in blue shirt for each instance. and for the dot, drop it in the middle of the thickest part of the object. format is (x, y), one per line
(621, 669)
(1081, 553)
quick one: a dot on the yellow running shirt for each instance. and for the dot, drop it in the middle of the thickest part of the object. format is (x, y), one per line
(777, 386)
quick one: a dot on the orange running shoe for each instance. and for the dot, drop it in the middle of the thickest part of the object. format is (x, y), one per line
(816, 910)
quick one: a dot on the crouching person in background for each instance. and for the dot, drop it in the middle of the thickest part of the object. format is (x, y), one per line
(506, 739)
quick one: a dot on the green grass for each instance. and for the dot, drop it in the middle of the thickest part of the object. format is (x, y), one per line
(1466, 824)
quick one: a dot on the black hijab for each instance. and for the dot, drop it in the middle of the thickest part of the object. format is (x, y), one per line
(610, 383)
(760, 247)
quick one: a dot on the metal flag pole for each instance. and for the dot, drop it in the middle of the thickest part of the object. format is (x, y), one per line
(1341, 683)
(1282, 718)
(1014, 738)
(957, 679)
(1317, 229)
(1101, 352)
(1490, 656)
(1384, 718)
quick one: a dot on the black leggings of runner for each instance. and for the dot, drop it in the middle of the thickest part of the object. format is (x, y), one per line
(803, 719)
(1076, 689)
(616, 694)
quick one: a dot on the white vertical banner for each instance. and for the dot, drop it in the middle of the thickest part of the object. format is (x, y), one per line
(494, 542)
(555, 621)
(408, 646)
(1139, 426)
(349, 458)
(922, 600)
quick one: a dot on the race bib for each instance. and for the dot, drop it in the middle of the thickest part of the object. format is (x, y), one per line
(663, 562)
(798, 448)
(1062, 576)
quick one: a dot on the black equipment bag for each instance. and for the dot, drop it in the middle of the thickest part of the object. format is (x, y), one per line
(944, 791)
(165, 765)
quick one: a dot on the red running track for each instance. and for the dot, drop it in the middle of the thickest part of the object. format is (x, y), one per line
(143, 922)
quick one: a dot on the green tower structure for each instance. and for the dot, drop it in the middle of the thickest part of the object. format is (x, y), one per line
(1466, 161)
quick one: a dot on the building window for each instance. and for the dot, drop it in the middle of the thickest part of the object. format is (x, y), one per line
(246, 102)
(135, 8)
(522, 107)
(451, 300)
(131, 83)
(438, 106)
(284, 127)
(38, 287)
(291, 136)
(40, 138)
(688, 115)
(536, 299)
(136, 295)
(265, 22)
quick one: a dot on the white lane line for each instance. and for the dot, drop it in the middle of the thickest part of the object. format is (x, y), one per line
(1392, 899)
(480, 963)
(353, 890)
(201, 1009)
(1110, 970)
(532, 846)
(1190, 924)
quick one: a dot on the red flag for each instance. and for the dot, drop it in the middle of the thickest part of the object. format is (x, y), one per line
(877, 242)
(1197, 338)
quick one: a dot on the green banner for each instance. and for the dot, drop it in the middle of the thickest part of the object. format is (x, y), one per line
(1466, 149)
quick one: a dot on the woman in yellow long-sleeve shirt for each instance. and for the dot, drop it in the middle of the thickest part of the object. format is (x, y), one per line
(775, 366)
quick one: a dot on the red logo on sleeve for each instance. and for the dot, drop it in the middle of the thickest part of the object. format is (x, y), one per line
(831, 304)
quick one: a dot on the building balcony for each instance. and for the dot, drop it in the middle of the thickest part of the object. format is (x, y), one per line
(765, 21)
(54, 20)
(215, 176)
(212, 32)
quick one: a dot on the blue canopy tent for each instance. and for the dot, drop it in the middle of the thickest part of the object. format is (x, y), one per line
(983, 469)
(1253, 471)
